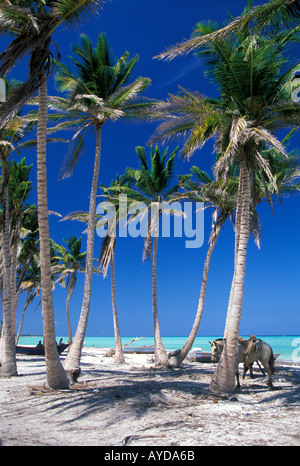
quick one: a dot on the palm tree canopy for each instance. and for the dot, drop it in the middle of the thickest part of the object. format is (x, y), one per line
(98, 72)
(154, 181)
(32, 23)
(70, 260)
(97, 91)
(254, 101)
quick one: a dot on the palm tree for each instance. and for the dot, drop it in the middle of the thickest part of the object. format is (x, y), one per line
(97, 92)
(19, 188)
(71, 262)
(10, 136)
(255, 100)
(8, 365)
(222, 198)
(150, 187)
(275, 15)
(107, 257)
(28, 257)
(33, 23)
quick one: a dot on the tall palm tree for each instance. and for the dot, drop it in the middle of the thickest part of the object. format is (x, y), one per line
(275, 15)
(8, 365)
(10, 136)
(221, 197)
(255, 101)
(97, 92)
(107, 257)
(19, 188)
(151, 187)
(71, 262)
(33, 23)
(28, 254)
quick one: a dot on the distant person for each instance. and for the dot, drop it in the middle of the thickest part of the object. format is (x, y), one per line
(40, 345)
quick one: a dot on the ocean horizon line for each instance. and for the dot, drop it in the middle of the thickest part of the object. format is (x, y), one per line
(166, 336)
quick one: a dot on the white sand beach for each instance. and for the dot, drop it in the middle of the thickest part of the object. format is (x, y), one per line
(136, 404)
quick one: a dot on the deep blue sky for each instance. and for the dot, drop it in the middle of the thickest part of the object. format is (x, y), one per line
(271, 299)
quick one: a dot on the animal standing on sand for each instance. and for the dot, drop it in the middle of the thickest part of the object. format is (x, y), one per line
(248, 352)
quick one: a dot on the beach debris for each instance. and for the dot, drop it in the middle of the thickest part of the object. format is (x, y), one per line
(133, 339)
(130, 438)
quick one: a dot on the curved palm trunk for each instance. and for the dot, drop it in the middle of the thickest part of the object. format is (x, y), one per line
(27, 302)
(72, 361)
(223, 380)
(119, 355)
(56, 376)
(160, 354)
(178, 356)
(8, 366)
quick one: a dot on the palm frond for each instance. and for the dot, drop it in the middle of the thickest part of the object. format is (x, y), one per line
(276, 14)
(75, 11)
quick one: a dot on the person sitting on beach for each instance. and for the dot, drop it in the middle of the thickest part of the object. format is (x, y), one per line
(40, 345)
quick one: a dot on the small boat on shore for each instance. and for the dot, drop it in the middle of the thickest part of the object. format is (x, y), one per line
(199, 356)
(139, 349)
(37, 350)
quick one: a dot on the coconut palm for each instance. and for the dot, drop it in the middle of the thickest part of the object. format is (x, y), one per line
(255, 101)
(7, 351)
(221, 197)
(19, 188)
(10, 136)
(274, 15)
(98, 91)
(107, 257)
(32, 23)
(28, 254)
(71, 262)
(150, 187)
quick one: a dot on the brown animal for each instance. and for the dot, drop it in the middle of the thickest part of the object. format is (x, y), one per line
(248, 352)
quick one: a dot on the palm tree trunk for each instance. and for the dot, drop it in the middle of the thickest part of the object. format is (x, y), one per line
(178, 356)
(72, 361)
(223, 380)
(119, 355)
(69, 320)
(13, 278)
(160, 354)
(236, 243)
(8, 365)
(56, 376)
(27, 302)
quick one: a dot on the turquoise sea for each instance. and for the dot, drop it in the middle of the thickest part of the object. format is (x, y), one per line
(288, 346)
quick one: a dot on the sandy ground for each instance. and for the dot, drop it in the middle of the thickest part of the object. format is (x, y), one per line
(137, 405)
